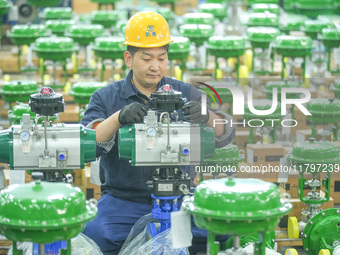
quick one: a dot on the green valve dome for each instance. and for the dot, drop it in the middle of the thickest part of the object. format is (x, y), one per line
(198, 18)
(268, 89)
(179, 48)
(84, 34)
(57, 13)
(272, 8)
(59, 27)
(324, 110)
(294, 46)
(20, 91)
(336, 88)
(260, 19)
(43, 212)
(82, 91)
(27, 34)
(229, 153)
(330, 37)
(237, 206)
(44, 3)
(197, 33)
(314, 152)
(260, 37)
(313, 27)
(293, 22)
(218, 10)
(109, 47)
(4, 6)
(106, 18)
(15, 115)
(322, 231)
(230, 45)
(54, 48)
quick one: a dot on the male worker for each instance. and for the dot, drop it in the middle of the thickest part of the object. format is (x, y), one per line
(125, 197)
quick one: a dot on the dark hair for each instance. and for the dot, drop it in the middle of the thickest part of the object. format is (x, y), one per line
(133, 49)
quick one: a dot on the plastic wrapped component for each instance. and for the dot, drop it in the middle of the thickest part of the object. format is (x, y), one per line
(138, 241)
(81, 245)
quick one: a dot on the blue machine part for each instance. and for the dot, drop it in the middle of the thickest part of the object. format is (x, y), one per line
(51, 248)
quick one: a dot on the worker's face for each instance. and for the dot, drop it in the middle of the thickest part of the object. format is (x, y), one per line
(148, 65)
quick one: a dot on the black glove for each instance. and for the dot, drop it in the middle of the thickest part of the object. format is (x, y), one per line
(132, 113)
(192, 112)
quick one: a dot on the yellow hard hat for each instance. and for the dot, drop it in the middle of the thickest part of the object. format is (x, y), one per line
(147, 30)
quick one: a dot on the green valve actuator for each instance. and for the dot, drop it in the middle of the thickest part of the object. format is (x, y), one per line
(47, 146)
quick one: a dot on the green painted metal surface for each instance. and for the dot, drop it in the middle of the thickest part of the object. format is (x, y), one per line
(293, 46)
(322, 232)
(15, 115)
(20, 91)
(109, 47)
(43, 212)
(269, 240)
(293, 22)
(218, 10)
(57, 13)
(6, 146)
(261, 7)
(335, 87)
(197, 33)
(226, 156)
(261, 37)
(84, 34)
(313, 27)
(59, 27)
(323, 110)
(82, 91)
(87, 145)
(126, 143)
(27, 34)
(259, 19)
(54, 48)
(237, 206)
(106, 18)
(44, 3)
(304, 154)
(4, 6)
(198, 18)
(268, 89)
(179, 48)
(330, 37)
(226, 46)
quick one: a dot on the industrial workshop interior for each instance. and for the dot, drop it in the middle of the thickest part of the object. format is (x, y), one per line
(167, 127)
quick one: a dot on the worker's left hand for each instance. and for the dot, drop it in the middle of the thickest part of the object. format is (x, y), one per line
(192, 112)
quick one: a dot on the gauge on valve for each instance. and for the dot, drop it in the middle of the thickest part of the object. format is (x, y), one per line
(151, 131)
(24, 135)
(150, 137)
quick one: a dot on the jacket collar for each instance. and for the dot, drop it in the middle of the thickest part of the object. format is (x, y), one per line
(129, 89)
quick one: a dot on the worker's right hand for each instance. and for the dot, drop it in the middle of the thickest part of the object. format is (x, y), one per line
(132, 113)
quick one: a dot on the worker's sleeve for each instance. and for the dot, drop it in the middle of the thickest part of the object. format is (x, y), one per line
(229, 133)
(96, 113)
(107, 146)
